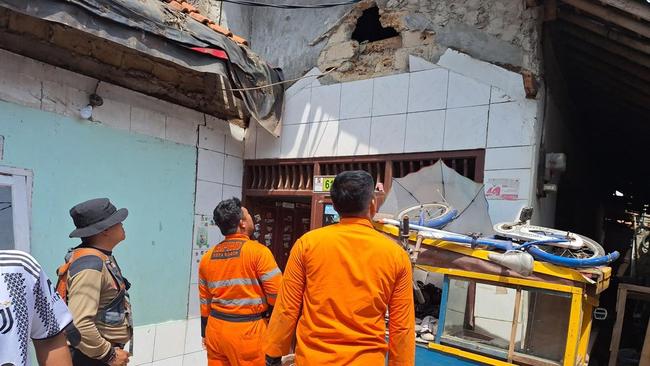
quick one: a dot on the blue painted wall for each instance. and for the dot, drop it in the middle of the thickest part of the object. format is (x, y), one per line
(75, 160)
(429, 357)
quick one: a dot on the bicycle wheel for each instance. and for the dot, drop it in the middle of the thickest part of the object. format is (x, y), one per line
(433, 215)
(576, 245)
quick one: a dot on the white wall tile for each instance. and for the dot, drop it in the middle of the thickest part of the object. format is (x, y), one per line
(193, 336)
(147, 122)
(425, 131)
(235, 147)
(64, 99)
(465, 128)
(428, 90)
(181, 131)
(268, 146)
(356, 99)
(169, 340)
(113, 114)
(390, 95)
(143, 338)
(208, 194)
(512, 124)
(420, 64)
(210, 166)
(511, 82)
(295, 141)
(212, 139)
(499, 96)
(193, 307)
(353, 137)
(465, 92)
(233, 171)
(231, 191)
(505, 211)
(250, 140)
(325, 136)
(387, 134)
(195, 359)
(509, 158)
(304, 83)
(325, 103)
(297, 108)
(173, 361)
(20, 88)
(523, 175)
(194, 268)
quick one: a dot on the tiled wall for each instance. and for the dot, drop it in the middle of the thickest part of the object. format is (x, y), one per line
(219, 172)
(176, 343)
(458, 104)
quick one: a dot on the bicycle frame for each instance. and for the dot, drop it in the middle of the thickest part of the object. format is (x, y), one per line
(531, 247)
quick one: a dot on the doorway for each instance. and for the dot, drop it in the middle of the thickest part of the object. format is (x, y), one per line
(282, 220)
(15, 193)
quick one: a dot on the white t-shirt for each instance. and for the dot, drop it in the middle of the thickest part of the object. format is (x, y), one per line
(30, 307)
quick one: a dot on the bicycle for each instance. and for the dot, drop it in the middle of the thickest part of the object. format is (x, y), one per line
(546, 244)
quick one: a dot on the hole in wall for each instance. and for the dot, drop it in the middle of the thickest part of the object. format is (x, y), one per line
(370, 29)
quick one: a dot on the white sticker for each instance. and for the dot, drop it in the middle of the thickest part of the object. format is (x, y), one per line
(502, 189)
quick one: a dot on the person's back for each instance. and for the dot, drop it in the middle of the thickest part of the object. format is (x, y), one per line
(238, 282)
(30, 308)
(352, 271)
(338, 284)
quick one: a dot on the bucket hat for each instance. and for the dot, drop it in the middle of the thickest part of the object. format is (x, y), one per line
(94, 216)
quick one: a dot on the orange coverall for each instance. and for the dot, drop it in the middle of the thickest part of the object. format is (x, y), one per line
(336, 288)
(238, 281)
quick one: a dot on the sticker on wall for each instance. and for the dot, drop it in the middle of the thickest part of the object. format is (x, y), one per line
(502, 189)
(202, 232)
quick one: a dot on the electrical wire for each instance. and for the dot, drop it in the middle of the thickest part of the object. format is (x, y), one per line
(281, 82)
(287, 6)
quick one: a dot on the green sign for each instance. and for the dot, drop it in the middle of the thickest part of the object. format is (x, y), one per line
(323, 183)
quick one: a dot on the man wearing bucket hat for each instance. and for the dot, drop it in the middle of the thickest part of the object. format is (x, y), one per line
(93, 285)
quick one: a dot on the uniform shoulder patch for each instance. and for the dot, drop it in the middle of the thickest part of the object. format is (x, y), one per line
(92, 262)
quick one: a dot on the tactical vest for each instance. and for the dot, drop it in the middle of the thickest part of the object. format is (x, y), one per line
(113, 313)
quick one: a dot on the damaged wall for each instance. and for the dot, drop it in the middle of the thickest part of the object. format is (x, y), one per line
(502, 31)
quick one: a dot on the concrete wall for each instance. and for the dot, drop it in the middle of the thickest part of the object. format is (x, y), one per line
(502, 32)
(169, 165)
(460, 103)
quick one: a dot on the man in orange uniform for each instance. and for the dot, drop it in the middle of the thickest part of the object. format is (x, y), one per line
(238, 282)
(338, 284)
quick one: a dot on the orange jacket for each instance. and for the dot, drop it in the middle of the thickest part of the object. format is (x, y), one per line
(338, 284)
(238, 276)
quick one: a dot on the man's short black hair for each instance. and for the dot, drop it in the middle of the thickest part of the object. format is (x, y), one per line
(227, 215)
(352, 192)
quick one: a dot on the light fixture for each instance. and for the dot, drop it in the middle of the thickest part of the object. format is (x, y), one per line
(94, 100)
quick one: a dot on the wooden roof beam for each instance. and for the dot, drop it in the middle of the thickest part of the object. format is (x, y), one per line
(610, 59)
(612, 91)
(600, 42)
(636, 9)
(601, 70)
(604, 31)
(611, 16)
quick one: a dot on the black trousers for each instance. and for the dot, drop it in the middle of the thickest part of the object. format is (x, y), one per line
(80, 359)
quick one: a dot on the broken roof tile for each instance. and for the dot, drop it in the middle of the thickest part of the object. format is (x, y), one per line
(194, 13)
(175, 5)
(200, 18)
(189, 8)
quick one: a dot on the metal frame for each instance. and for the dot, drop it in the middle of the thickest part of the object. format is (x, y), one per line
(577, 332)
(27, 176)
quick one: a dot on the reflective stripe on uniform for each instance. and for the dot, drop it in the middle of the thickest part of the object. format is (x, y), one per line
(203, 301)
(267, 276)
(233, 282)
(202, 282)
(237, 302)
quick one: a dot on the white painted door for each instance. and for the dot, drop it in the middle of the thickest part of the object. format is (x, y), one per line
(14, 211)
